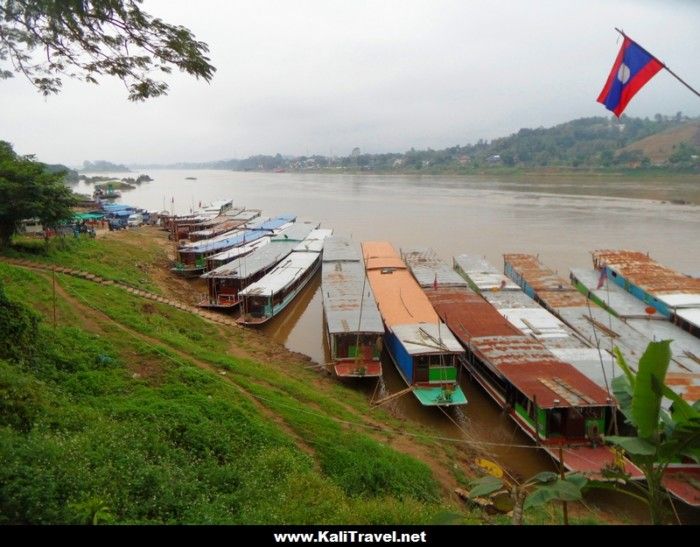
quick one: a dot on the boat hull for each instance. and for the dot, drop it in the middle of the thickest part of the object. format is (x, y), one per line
(362, 369)
(255, 321)
(428, 395)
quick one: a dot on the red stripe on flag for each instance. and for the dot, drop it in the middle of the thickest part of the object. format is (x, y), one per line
(613, 72)
(636, 83)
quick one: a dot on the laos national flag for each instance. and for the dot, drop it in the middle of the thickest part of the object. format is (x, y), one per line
(633, 68)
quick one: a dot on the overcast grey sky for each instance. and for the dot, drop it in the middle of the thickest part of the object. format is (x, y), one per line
(305, 77)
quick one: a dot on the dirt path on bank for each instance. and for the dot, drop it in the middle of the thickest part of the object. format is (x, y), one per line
(271, 354)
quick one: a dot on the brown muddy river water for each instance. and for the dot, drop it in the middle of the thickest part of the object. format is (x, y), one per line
(558, 218)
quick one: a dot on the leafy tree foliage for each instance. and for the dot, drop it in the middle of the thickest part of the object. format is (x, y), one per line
(85, 39)
(29, 190)
(662, 437)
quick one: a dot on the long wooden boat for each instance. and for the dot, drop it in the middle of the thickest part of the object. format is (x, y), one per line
(272, 226)
(630, 332)
(179, 226)
(225, 282)
(422, 348)
(264, 299)
(552, 402)
(351, 319)
(222, 224)
(671, 293)
(192, 257)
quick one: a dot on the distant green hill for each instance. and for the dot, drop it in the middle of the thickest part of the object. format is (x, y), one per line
(595, 142)
(104, 166)
(671, 146)
(585, 143)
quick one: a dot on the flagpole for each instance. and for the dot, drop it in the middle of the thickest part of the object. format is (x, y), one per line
(676, 76)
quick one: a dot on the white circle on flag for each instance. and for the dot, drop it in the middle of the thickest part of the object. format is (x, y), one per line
(624, 73)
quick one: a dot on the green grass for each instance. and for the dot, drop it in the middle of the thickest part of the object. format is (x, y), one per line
(82, 433)
(117, 259)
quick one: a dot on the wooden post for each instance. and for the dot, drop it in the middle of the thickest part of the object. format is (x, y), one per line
(561, 474)
(53, 279)
(537, 420)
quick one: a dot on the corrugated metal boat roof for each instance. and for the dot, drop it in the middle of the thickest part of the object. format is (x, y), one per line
(468, 315)
(246, 215)
(588, 362)
(515, 349)
(429, 270)
(536, 322)
(557, 300)
(556, 291)
(474, 263)
(284, 274)
(314, 241)
(341, 249)
(537, 276)
(274, 223)
(537, 372)
(233, 239)
(236, 252)
(509, 299)
(614, 296)
(685, 347)
(427, 338)
(555, 385)
(482, 273)
(400, 299)
(264, 257)
(189, 245)
(645, 272)
(218, 229)
(298, 231)
(347, 308)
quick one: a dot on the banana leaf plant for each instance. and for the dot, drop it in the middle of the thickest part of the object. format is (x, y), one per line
(663, 437)
(536, 491)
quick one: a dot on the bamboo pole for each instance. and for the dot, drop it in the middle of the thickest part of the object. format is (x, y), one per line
(53, 283)
(564, 505)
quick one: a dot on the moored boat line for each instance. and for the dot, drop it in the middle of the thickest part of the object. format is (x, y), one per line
(632, 335)
(531, 319)
(352, 321)
(553, 403)
(179, 226)
(683, 375)
(423, 349)
(223, 223)
(225, 282)
(265, 298)
(192, 257)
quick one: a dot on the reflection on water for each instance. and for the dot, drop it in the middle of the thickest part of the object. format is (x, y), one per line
(559, 219)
